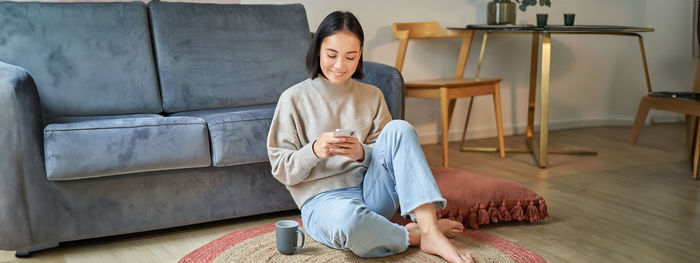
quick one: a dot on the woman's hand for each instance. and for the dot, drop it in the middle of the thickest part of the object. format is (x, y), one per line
(326, 146)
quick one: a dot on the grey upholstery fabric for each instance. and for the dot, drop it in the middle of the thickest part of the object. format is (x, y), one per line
(238, 135)
(112, 205)
(389, 80)
(86, 58)
(94, 60)
(91, 147)
(20, 153)
(217, 56)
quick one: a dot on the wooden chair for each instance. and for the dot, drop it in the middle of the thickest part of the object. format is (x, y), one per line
(447, 90)
(682, 102)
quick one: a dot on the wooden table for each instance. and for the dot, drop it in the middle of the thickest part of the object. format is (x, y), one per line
(541, 149)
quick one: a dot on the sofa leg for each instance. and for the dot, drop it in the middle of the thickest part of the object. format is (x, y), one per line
(23, 254)
(27, 252)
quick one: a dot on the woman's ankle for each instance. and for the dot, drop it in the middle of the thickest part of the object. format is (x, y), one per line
(413, 234)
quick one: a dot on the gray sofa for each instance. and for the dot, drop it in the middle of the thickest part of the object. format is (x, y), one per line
(124, 117)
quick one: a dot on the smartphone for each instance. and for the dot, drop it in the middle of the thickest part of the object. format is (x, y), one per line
(343, 133)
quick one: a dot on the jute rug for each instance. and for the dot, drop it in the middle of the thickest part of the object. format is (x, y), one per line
(258, 245)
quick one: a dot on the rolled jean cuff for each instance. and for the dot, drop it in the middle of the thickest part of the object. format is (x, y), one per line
(407, 241)
(439, 203)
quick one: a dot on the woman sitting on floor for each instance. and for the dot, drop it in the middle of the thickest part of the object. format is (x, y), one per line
(348, 187)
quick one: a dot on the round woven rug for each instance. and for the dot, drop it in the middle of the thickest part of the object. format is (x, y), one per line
(258, 245)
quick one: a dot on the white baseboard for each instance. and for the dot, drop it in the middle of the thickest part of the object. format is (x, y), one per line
(667, 119)
(487, 132)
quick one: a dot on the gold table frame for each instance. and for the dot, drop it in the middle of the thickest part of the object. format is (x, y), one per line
(541, 149)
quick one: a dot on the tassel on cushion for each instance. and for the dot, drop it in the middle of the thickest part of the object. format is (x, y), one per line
(532, 213)
(460, 215)
(517, 212)
(483, 215)
(473, 223)
(504, 212)
(543, 209)
(451, 213)
(493, 213)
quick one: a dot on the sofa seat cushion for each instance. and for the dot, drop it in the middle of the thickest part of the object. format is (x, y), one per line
(238, 135)
(85, 147)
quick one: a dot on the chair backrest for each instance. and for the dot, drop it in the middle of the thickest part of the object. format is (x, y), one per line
(431, 30)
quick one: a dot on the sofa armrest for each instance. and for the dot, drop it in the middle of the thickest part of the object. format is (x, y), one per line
(21, 154)
(389, 80)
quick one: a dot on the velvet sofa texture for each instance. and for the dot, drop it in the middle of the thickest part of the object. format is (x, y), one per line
(124, 117)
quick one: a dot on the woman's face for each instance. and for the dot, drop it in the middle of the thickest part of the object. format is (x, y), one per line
(340, 54)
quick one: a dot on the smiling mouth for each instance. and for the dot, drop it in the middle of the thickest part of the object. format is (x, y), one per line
(337, 74)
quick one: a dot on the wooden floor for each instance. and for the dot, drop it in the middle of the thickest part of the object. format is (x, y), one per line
(631, 203)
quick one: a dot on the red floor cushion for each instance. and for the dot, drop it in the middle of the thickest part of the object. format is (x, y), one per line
(476, 199)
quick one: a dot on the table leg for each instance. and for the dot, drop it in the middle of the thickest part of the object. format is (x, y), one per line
(466, 122)
(499, 120)
(450, 110)
(644, 62)
(444, 114)
(544, 100)
(541, 149)
(534, 56)
(471, 100)
(481, 56)
(500, 149)
(697, 151)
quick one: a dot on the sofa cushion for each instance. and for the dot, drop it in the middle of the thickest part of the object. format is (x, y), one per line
(238, 135)
(218, 56)
(87, 147)
(389, 80)
(86, 58)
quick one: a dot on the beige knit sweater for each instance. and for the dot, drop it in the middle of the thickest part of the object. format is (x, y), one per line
(307, 110)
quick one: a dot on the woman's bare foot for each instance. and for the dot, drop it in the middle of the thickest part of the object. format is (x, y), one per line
(434, 245)
(450, 228)
(432, 239)
(434, 242)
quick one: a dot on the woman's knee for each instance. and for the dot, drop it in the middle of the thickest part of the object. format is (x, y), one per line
(399, 126)
(353, 219)
(344, 221)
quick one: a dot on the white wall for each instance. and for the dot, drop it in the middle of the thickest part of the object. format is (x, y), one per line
(596, 80)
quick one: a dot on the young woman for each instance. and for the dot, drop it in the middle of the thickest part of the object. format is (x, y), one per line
(347, 187)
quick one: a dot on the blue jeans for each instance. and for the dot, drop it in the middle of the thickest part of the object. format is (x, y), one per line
(357, 218)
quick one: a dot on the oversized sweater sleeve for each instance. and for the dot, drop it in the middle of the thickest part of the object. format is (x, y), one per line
(291, 162)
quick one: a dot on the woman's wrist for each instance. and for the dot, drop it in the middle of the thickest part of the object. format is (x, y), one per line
(362, 159)
(313, 149)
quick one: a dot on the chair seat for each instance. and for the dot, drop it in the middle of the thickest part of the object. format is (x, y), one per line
(676, 95)
(456, 88)
(449, 83)
(683, 105)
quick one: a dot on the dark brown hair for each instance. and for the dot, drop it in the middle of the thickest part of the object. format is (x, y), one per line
(333, 23)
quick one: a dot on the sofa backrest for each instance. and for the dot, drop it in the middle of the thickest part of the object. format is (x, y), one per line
(227, 55)
(86, 58)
